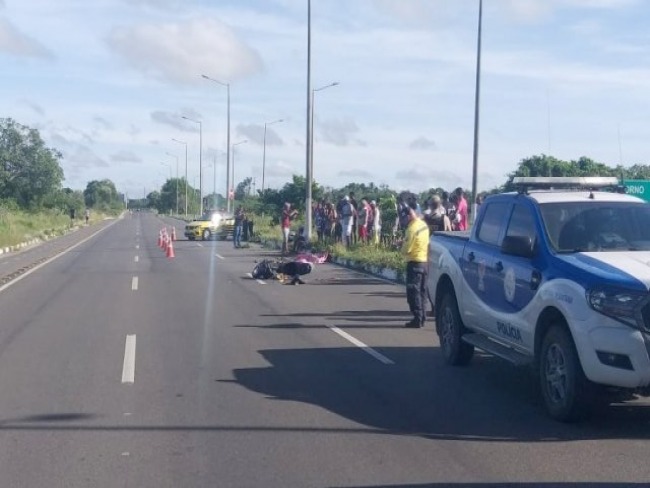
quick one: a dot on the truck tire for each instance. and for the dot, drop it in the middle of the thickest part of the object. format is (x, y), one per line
(565, 388)
(455, 351)
(191, 238)
(206, 235)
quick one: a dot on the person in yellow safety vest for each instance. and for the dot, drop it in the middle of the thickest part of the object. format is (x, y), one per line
(416, 250)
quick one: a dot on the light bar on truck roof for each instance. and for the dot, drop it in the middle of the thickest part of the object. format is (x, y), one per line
(565, 181)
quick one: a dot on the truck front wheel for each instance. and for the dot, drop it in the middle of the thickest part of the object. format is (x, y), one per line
(451, 329)
(565, 389)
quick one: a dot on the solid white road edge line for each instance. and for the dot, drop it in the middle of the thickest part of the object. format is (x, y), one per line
(134, 283)
(136, 259)
(219, 256)
(261, 282)
(377, 355)
(48, 261)
(128, 367)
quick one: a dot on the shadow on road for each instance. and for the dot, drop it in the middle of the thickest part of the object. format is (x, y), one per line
(418, 395)
(509, 485)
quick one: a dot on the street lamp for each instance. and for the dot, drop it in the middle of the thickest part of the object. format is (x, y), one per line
(309, 176)
(264, 150)
(175, 156)
(214, 184)
(200, 161)
(233, 161)
(186, 182)
(227, 85)
(477, 99)
(311, 145)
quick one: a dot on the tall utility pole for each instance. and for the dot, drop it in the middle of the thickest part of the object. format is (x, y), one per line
(233, 158)
(264, 149)
(186, 181)
(477, 100)
(227, 85)
(175, 156)
(200, 161)
(214, 183)
(309, 177)
(311, 123)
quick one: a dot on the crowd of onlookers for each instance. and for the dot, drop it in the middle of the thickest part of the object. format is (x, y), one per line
(350, 220)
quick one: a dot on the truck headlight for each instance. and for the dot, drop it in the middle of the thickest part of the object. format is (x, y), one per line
(622, 305)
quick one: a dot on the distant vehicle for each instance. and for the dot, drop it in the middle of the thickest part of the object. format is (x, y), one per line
(211, 225)
(557, 279)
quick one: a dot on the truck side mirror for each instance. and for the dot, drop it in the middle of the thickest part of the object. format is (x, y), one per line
(522, 246)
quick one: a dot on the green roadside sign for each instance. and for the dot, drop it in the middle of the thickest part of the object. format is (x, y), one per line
(638, 188)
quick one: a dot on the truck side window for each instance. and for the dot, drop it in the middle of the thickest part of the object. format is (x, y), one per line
(522, 223)
(490, 229)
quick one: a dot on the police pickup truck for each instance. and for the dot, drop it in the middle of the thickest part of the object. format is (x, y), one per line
(556, 278)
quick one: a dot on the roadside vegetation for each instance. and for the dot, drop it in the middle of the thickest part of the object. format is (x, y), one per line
(33, 201)
(265, 206)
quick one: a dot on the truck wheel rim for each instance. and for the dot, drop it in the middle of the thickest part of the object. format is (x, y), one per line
(447, 329)
(555, 373)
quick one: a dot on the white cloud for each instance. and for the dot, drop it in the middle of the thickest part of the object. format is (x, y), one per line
(102, 122)
(355, 173)
(175, 120)
(425, 177)
(83, 157)
(255, 134)
(280, 170)
(533, 10)
(16, 43)
(35, 107)
(125, 157)
(339, 132)
(180, 52)
(422, 143)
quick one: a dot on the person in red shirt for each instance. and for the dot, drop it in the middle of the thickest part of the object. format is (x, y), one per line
(363, 216)
(287, 214)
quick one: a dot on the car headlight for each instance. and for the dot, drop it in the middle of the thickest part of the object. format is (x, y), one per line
(216, 219)
(622, 305)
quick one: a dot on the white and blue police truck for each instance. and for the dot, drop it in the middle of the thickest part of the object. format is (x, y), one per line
(556, 276)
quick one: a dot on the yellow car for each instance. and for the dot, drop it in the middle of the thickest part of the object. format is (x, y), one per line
(211, 225)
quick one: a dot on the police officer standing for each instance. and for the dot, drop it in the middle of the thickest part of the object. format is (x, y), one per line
(416, 250)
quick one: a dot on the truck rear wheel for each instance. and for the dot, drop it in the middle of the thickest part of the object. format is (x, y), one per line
(565, 389)
(451, 329)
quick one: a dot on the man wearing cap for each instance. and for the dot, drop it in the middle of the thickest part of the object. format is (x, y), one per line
(416, 250)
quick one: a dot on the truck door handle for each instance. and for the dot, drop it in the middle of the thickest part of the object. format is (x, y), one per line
(535, 279)
(499, 266)
(471, 257)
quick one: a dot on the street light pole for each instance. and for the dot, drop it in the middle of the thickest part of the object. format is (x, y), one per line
(186, 182)
(227, 85)
(264, 150)
(233, 159)
(200, 161)
(311, 145)
(175, 156)
(308, 179)
(477, 112)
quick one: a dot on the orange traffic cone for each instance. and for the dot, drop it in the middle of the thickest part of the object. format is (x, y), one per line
(165, 242)
(170, 250)
(173, 233)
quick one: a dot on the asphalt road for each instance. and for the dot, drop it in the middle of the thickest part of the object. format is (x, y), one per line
(121, 368)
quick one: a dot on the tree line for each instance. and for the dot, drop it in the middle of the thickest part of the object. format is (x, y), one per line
(31, 176)
(270, 200)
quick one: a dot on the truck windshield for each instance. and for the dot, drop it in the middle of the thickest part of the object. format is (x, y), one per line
(590, 226)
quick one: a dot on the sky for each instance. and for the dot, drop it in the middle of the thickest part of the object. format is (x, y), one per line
(107, 81)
